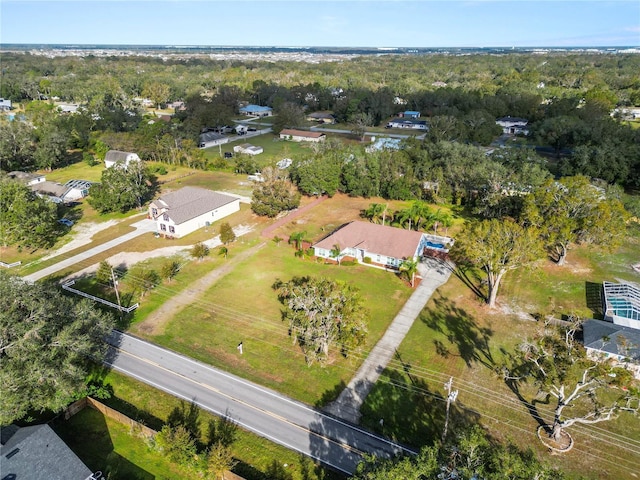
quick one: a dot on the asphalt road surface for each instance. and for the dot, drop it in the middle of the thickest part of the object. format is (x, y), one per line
(333, 442)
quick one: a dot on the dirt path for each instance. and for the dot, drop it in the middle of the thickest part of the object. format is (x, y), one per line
(155, 323)
(268, 232)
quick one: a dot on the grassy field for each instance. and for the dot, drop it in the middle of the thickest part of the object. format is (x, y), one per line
(100, 441)
(243, 307)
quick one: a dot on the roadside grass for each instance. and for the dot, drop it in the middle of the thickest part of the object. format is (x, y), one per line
(254, 454)
(456, 335)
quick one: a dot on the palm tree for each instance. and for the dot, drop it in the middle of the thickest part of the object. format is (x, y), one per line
(440, 218)
(297, 238)
(374, 212)
(336, 252)
(410, 267)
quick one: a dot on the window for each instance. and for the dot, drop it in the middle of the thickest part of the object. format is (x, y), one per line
(165, 217)
(154, 212)
(378, 258)
(163, 227)
(172, 229)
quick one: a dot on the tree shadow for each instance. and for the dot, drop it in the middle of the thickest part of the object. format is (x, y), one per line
(461, 331)
(469, 276)
(329, 396)
(403, 407)
(88, 435)
(594, 301)
(516, 372)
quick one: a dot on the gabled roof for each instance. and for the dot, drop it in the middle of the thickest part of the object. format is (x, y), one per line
(50, 188)
(25, 177)
(191, 202)
(379, 239)
(117, 156)
(210, 137)
(512, 120)
(301, 133)
(37, 453)
(596, 331)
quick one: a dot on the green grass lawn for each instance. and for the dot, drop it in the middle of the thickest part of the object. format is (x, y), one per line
(243, 307)
(152, 407)
(106, 445)
(456, 335)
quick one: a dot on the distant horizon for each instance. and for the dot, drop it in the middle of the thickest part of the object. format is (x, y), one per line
(326, 24)
(329, 47)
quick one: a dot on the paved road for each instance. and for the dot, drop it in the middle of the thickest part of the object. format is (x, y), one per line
(331, 441)
(434, 273)
(141, 227)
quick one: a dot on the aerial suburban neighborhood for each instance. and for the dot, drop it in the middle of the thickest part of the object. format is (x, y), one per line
(318, 263)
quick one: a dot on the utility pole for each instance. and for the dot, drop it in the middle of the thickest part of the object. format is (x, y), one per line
(451, 397)
(115, 286)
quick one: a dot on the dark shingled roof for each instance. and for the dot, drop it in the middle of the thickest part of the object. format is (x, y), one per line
(191, 202)
(37, 453)
(379, 239)
(594, 331)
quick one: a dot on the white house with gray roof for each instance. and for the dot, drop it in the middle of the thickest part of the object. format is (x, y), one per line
(122, 159)
(184, 211)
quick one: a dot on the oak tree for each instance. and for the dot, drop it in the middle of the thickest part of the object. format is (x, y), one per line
(497, 247)
(322, 314)
(46, 340)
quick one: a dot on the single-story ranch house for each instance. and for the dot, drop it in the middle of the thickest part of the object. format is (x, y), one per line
(302, 136)
(408, 123)
(27, 178)
(211, 139)
(383, 245)
(606, 341)
(321, 117)
(617, 338)
(122, 159)
(513, 125)
(256, 111)
(56, 192)
(248, 149)
(181, 212)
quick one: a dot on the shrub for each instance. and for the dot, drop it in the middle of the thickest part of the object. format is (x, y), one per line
(367, 260)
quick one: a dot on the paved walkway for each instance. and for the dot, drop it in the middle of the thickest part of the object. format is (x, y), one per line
(141, 227)
(434, 273)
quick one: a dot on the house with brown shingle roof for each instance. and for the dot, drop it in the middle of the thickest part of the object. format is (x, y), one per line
(382, 244)
(302, 135)
(181, 212)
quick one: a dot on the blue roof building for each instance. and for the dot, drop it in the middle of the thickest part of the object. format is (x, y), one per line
(256, 111)
(410, 114)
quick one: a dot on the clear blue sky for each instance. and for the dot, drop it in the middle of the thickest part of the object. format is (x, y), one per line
(362, 23)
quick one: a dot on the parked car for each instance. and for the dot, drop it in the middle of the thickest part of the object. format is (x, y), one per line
(66, 222)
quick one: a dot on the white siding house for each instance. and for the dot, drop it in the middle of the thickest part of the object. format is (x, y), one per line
(513, 125)
(184, 211)
(381, 244)
(302, 135)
